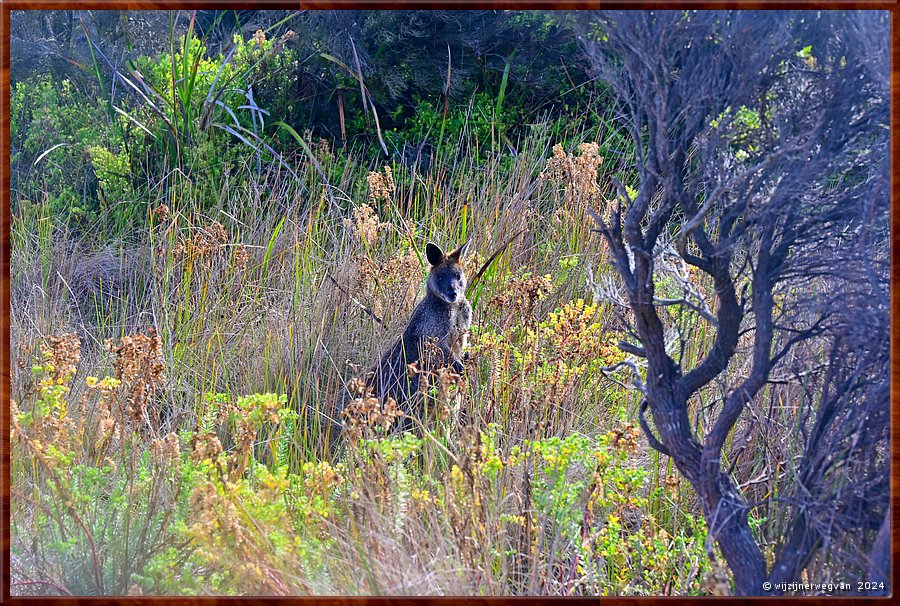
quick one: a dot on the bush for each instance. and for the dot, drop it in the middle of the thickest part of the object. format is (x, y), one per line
(66, 152)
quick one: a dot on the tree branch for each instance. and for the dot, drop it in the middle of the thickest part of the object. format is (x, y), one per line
(654, 443)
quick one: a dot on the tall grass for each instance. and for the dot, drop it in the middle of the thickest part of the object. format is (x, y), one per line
(298, 274)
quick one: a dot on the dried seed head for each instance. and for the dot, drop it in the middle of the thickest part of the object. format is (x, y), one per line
(166, 449)
(139, 363)
(381, 186)
(365, 225)
(365, 414)
(241, 255)
(63, 353)
(577, 175)
(206, 447)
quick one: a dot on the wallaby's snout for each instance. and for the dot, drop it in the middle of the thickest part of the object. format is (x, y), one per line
(447, 280)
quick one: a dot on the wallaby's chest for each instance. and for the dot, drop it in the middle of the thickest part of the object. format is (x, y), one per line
(446, 324)
(459, 321)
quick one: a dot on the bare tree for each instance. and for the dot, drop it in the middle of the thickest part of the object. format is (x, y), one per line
(760, 141)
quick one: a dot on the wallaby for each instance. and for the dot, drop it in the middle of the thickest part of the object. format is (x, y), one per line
(435, 336)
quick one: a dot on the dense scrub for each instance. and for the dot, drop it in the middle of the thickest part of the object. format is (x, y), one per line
(181, 483)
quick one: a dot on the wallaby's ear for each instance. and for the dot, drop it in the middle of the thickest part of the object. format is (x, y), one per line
(457, 255)
(434, 254)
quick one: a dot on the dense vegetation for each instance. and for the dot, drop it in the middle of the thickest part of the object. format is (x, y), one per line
(212, 238)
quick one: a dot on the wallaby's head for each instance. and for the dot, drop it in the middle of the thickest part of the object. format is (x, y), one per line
(447, 281)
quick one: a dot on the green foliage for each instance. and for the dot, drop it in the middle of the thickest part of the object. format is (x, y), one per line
(566, 349)
(603, 514)
(207, 114)
(203, 114)
(60, 140)
(112, 171)
(212, 116)
(101, 517)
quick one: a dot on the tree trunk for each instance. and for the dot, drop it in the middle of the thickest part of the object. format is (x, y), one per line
(726, 514)
(723, 506)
